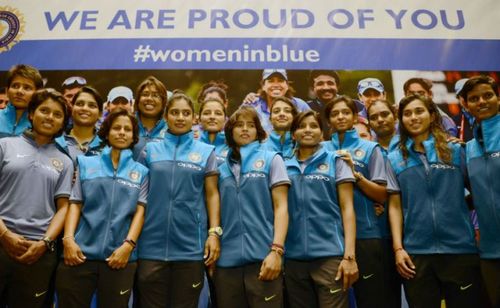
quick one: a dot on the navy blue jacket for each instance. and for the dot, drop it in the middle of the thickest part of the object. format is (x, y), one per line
(109, 202)
(436, 217)
(175, 227)
(483, 165)
(247, 214)
(285, 149)
(8, 125)
(367, 225)
(221, 148)
(315, 227)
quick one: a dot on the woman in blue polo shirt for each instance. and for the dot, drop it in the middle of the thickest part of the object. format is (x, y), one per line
(320, 246)
(35, 183)
(253, 185)
(181, 230)
(280, 140)
(104, 221)
(367, 162)
(433, 237)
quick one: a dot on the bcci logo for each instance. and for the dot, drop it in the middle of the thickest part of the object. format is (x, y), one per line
(259, 164)
(57, 164)
(134, 176)
(323, 167)
(194, 157)
(11, 27)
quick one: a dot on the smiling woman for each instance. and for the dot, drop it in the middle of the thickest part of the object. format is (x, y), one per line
(104, 221)
(32, 215)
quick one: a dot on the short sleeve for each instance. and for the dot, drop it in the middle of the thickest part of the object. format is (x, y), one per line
(343, 173)
(277, 173)
(76, 192)
(63, 186)
(211, 167)
(143, 194)
(392, 181)
(377, 167)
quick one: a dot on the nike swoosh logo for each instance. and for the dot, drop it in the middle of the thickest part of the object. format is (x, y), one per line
(332, 291)
(466, 287)
(367, 276)
(124, 292)
(40, 294)
(195, 285)
(269, 298)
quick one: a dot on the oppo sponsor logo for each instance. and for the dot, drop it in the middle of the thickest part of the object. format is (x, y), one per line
(254, 175)
(317, 177)
(495, 155)
(442, 166)
(132, 185)
(189, 166)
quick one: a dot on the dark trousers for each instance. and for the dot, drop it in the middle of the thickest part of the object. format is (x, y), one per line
(240, 287)
(392, 279)
(24, 285)
(370, 286)
(490, 269)
(454, 277)
(169, 284)
(312, 283)
(75, 285)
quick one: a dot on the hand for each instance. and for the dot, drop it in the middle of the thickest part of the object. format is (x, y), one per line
(211, 270)
(34, 252)
(348, 271)
(14, 244)
(250, 98)
(119, 257)
(73, 255)
(379, 209)
(455, 140)
(346, 156)
(212, 250)
(271, 267)
(404, 265)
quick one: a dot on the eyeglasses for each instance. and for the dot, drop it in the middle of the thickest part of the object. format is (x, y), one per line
(369, 84)
(153, 94)
(75, 80)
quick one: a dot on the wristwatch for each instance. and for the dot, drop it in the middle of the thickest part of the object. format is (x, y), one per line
(49, 243)
(215, 230)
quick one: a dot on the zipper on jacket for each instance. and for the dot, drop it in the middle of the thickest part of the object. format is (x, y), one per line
(169, 222)
(109, 212)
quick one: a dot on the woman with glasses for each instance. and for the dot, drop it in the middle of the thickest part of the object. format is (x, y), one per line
(150, 101)
(35, 183)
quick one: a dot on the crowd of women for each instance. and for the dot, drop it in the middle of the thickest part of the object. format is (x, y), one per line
(142, 206)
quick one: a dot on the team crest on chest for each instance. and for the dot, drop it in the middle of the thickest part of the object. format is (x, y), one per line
(194, 157)
(57, 164)
(259, 164)
(359, 153)
(323, 167)
(224, 153)
(134, 176)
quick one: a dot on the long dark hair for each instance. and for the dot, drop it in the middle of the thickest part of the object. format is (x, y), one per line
(435, 129)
